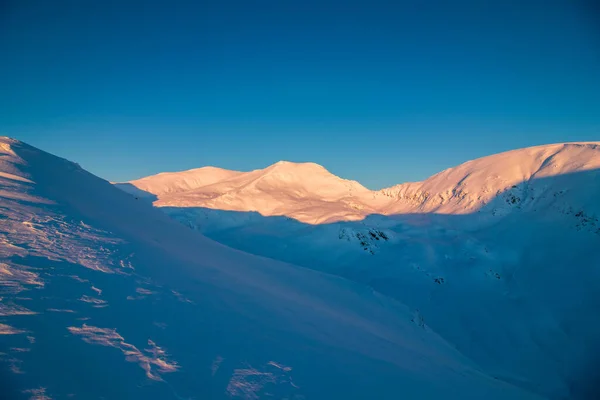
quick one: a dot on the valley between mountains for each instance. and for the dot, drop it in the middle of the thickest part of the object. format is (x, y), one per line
(498, 255)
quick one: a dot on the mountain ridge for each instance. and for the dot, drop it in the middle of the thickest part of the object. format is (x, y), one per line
(287, 188)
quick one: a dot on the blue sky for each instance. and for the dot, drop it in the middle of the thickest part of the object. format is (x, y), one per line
(380, 92)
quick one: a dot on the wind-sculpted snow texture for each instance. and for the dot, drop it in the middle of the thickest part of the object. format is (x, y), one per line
(498, 255)
(103, 296)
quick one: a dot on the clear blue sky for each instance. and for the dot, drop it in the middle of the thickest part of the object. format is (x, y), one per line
(378, 91)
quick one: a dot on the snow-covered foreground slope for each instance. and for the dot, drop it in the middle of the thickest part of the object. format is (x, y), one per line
(520, 297)
(498, 255)
(103, 296)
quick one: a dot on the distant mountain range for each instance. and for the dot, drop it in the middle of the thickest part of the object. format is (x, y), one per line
(309, 193)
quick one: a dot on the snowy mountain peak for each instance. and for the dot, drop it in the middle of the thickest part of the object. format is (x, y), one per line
(283, 188)
(310, 174)
(284, 162)
(297, 169)
(296, 165)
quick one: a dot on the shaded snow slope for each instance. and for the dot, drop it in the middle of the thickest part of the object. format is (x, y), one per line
(519, 295)
(499, 255)
(103, 296)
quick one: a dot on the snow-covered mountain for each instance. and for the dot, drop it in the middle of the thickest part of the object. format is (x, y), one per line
(509, 176)
(498, 255)
(103, 296)
(304, 191)
(309, 193)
